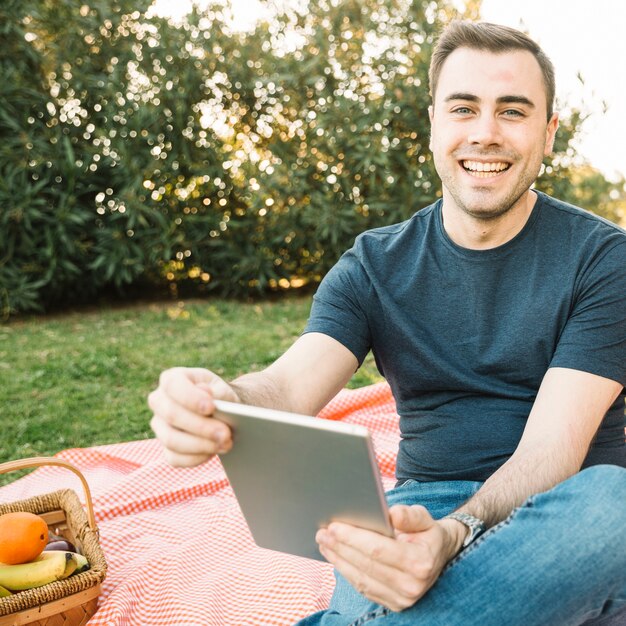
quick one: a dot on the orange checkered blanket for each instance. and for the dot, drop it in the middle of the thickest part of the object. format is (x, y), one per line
(178, 550)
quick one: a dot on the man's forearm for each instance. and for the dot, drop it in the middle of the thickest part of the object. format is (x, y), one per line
(524, 474)
(259, 389)
(272, 392)
(303, 380)
(566, 415)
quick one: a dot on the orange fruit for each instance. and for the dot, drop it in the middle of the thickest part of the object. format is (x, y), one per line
(23, 536)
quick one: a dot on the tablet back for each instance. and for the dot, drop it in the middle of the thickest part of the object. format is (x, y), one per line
(294, 474)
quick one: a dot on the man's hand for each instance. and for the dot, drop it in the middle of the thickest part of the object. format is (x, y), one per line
(182, 405)
(394, 572)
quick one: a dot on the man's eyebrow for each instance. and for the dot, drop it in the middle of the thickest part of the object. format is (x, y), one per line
(462, 96)
(516, 100)
(470, 97)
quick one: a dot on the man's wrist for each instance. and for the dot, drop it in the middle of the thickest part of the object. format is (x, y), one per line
(474, 527)
(456, 532)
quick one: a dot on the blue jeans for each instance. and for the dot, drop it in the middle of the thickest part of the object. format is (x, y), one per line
(558, 560)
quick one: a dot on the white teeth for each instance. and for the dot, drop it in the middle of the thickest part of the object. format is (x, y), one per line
(478, 166)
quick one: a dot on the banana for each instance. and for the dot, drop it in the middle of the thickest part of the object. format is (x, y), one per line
(71, 563)
(41, 571)
(82, 564)
(4, 592)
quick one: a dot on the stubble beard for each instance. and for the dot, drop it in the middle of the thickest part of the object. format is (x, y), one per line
(492, 207)
(482, 211)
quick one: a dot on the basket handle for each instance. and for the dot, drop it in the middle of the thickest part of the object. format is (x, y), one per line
(38, 461)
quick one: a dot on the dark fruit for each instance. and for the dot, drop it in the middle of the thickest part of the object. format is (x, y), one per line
(61, 544)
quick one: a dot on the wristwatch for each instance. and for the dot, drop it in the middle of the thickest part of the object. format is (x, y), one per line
(476, 526)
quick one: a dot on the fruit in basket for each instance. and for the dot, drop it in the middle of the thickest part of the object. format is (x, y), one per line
(71, 562)
(45, 569)
(4, 592)
(61, 544)
(82, 564)
(23, 536)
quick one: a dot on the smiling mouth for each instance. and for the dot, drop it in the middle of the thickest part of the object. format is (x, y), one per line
(479, 169)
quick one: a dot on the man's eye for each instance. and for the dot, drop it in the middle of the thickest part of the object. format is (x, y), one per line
(513, 113)
(462, 110)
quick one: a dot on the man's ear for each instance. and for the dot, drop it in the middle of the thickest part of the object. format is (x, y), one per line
(431, 116)
(551, 129)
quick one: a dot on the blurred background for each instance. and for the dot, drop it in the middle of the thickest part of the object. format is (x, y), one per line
(164, 149)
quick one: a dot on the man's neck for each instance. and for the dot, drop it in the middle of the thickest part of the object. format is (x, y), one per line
(475, 233)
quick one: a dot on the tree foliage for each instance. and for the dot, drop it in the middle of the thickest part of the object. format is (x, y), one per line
(137, 151)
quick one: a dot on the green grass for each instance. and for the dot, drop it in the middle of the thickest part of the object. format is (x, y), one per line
(81, 379)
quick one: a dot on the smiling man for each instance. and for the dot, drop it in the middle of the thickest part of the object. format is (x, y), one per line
(489, 138)
(498, 317)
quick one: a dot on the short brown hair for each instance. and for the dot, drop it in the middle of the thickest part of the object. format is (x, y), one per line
(493, 38)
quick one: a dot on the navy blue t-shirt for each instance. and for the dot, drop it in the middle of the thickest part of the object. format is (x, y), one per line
(464, 337)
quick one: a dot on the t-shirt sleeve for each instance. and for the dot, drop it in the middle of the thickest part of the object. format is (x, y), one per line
(594, 337)
(339, 306)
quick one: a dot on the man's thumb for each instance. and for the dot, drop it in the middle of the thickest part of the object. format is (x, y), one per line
(410, 519)
(219, 389)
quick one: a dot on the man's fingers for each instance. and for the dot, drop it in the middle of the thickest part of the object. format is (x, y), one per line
(360, 544)
(181, 442)
(410, 519)
(376, 554)
(181, 385)
(393, 571)
(377, 581)
(182, 407)
(182, 419)
(365, 585)
(219, 389)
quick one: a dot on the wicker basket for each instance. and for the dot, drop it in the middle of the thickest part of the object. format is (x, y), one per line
(69, 602)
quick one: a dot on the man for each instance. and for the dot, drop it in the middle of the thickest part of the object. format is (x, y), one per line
(498, 317)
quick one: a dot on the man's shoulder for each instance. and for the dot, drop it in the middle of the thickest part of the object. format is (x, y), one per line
(578, 218)
(394, 234)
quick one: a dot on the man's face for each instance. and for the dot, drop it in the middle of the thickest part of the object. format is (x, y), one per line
(488, 129)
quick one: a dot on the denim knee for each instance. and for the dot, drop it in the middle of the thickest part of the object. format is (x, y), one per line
(595, 500)
(602, 484)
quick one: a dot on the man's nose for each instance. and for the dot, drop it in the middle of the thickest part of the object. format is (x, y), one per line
(485, 130)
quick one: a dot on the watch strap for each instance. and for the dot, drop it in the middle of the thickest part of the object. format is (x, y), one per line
(476, 526)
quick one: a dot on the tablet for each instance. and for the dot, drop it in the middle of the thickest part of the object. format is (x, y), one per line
(293, 474)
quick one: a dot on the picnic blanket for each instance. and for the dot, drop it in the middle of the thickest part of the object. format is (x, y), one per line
(178, 549)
